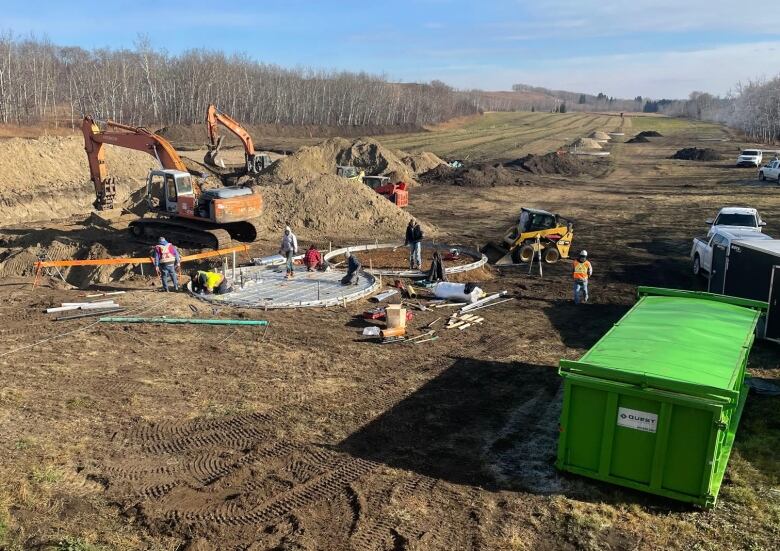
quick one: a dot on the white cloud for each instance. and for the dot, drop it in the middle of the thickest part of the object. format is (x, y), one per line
(619, 17)
(652, 74)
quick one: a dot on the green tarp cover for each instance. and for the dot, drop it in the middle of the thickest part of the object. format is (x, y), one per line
(695, 341)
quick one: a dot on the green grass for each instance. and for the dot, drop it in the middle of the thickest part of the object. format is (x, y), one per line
(46, 475)
(669, 126)
(504, 135)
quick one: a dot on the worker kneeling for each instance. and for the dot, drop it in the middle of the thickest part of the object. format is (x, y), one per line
(353, 266)
(313, 259)
(209, 283)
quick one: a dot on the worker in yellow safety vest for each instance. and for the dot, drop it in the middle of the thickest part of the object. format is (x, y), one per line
(582, 272)
(210, 283)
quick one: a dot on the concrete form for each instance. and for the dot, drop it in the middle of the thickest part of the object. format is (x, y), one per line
(479, 259)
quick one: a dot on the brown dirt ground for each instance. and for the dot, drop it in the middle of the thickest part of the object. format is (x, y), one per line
(309, 437)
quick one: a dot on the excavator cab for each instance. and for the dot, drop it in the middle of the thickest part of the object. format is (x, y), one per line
(170, 191)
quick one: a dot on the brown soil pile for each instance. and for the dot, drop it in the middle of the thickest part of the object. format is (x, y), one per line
(423, 162)
(601, 136)
(19, 261)
(565, 164)
(330, 206)
(54, 162)
(697, 154)
(48, 178)
(587, 143)
(650, 134)
(364, 153)
(638, 139)
(483, 175)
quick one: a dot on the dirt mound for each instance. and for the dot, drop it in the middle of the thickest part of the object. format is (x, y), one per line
(365, 153)
(423, 162)
(650, 134)
(19, 261)
(438, 174)
(330, 206)
(484, 175)
(565, 164)
(587, 143)
(48, 178)
(638, 139)
(601, 136)
(697, 154)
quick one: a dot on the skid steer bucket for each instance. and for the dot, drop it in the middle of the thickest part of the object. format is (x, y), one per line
(497, 254)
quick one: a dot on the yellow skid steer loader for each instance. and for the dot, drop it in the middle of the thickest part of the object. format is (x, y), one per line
(536, 231)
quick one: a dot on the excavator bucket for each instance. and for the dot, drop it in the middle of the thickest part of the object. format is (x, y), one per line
(212, 156)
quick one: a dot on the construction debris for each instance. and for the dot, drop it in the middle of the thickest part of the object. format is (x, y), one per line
(384, 295)
(482, 301)
(101, 312)
(67, 306)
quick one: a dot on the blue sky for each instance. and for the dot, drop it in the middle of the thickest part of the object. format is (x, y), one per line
(654, 48)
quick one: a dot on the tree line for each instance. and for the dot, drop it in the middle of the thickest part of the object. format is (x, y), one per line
(43, 82)
(752, 108)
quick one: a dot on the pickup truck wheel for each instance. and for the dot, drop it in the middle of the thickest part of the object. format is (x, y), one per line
(696, 265)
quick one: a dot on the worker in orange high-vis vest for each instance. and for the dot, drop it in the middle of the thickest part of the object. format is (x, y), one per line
(582, 272)
(167, 262)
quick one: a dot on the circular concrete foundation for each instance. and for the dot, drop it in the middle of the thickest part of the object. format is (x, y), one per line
(268, 287)
(479, 259)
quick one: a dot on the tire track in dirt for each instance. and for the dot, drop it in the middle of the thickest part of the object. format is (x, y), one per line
(374, 534)
(326, 486)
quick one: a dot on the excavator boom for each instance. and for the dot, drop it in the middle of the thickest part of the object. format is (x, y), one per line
(215, 117)
(128, 137)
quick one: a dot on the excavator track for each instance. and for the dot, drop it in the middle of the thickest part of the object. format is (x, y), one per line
(181, 232)
(245, 232)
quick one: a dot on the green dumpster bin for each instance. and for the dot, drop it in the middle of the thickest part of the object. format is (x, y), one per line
(654, 405)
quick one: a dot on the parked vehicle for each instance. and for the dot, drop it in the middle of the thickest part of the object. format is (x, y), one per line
(770, 171)
(736, 218)
(701, 252)
(750, 157)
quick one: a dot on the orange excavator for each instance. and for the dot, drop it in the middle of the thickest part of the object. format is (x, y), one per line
(253, 162)
(184, 212)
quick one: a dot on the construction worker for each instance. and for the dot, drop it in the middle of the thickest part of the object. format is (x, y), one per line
(167, 263)
(582, 272)
(209, 283)
(414, 237)
(353, 265)
(312, 259)
(288, 249)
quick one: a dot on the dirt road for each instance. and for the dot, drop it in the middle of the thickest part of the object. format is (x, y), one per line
(309, 437)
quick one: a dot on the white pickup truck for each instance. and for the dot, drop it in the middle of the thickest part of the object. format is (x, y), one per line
(770, 171)
(736, 219)
(701, 252)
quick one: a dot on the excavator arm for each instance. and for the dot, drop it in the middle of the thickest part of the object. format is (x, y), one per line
(215, 117)
(128, 137)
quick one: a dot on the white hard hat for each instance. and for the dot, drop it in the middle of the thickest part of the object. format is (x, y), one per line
(583, 252)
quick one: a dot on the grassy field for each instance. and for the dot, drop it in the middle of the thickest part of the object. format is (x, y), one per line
(505, 135)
